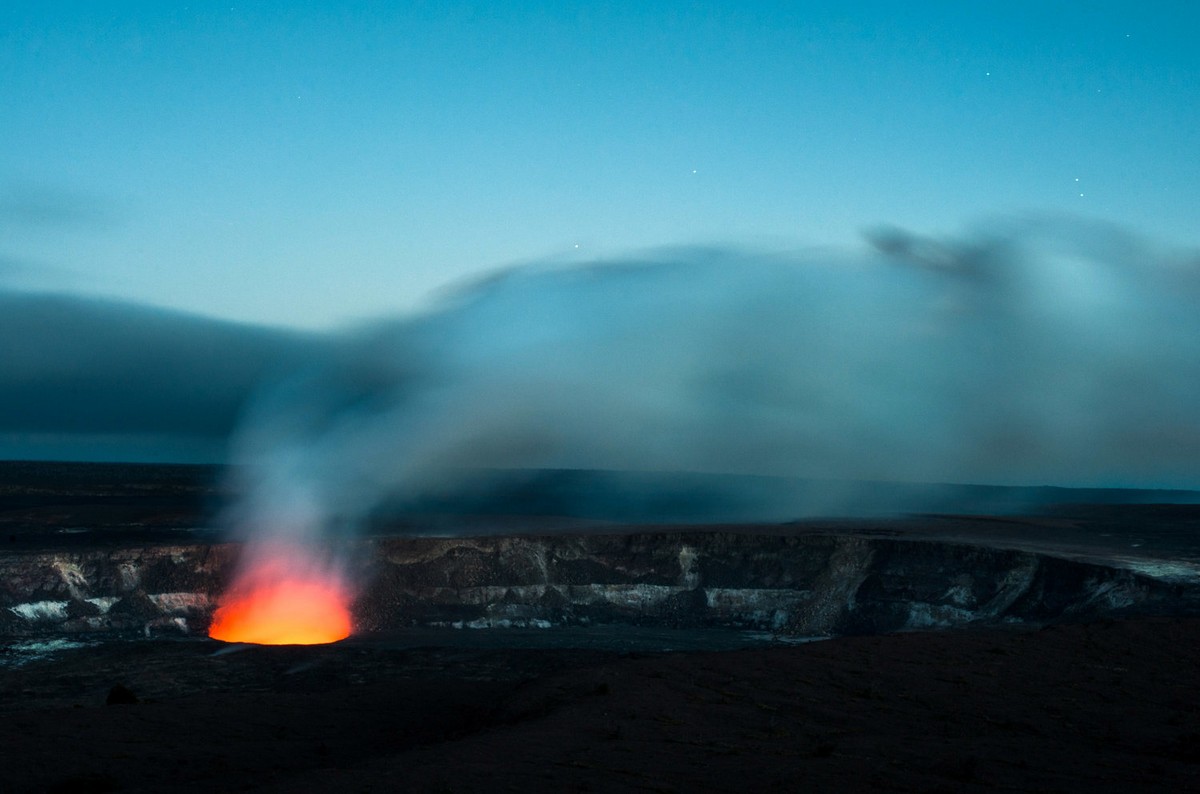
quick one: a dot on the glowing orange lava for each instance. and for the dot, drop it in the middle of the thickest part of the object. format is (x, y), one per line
(276, 602)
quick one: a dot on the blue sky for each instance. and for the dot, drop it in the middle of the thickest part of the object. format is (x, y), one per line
(310, 165)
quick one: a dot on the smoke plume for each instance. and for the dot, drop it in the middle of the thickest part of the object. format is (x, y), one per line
(1041, 352)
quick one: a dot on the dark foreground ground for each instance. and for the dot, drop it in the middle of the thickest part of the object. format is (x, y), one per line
(1104, 706)
(1112, 706)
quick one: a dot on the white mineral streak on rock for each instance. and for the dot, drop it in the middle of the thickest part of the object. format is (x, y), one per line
(739, 598)
(960, 592)
(936, 616)
(485, 594)
(494, 623)
(181, 603)
(41, 610)
(634, 596)
(103, 603)
(1167, 570)
(72, 576)
(762, 607)
(130, 575)
(1112, 594)
(1015, 583)
(962, 607)
(835, 587)
(687, 577)
(24, 652)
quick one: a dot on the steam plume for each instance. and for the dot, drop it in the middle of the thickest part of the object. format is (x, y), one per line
(1048, 352)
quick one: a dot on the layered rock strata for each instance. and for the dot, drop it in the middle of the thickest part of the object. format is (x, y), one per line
(791, 584)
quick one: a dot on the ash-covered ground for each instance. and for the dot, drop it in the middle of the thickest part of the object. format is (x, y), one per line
(655, 654)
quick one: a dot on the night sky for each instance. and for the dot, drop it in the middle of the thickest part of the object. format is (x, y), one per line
(281, 169)
(311, 164)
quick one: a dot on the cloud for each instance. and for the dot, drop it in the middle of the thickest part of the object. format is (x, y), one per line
(21, 273)
(29, 210)
(90, 369)
(25, 204)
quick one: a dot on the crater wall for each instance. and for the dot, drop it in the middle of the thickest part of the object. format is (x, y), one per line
(801, 585)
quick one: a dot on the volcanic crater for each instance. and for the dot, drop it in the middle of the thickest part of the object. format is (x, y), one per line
(1046, 649)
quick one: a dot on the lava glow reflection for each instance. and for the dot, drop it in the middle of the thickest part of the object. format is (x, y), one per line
(282, 598)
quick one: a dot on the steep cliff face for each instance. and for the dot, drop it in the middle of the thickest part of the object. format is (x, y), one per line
(808, 584)
(142, 588)
(802, 584)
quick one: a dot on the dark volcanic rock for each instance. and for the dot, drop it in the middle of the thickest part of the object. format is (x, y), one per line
(1111, 706)
(786, 579)
(136, 605)
(798, 583)
(77, 608)
(120, 695)
(804, 583)
(115, 547)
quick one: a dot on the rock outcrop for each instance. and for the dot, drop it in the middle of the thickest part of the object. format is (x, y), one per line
(800, 584)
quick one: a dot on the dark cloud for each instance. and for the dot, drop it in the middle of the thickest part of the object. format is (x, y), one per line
(78, 371)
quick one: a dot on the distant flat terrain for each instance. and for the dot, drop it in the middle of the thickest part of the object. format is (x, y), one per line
(77, 505)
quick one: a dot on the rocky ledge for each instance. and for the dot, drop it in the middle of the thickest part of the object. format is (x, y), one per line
(798, 583)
